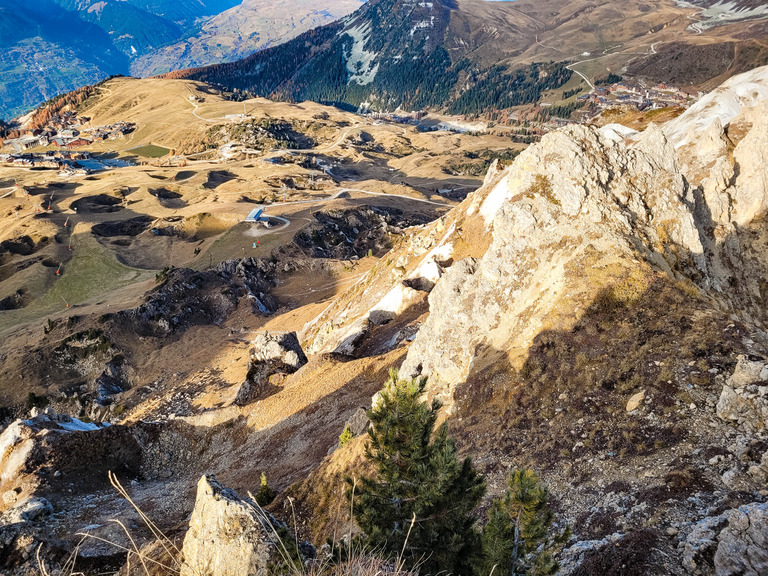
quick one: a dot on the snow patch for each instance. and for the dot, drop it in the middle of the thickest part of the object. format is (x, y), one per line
(495, 200)
(423, 24)
(617, 132)
(394, 303)
(360, 63)
(75, 425)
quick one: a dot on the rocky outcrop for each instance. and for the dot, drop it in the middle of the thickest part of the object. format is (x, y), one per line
(227, 536)
(273, 353)
(743, 545)
(40, 454)
(186, 297)
(744, 399)
(595, 195)
(585, 199)
(352, 233)
(112, 382)
(731, 544)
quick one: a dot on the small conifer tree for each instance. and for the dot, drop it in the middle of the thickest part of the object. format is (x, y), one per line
(518, 524)
(419, 503)
(265, 495)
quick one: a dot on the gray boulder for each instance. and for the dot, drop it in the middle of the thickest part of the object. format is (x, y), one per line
(226, 536)
(27, 511)
(744, 399)
(743, 544)
(273, 353)
(738, 538)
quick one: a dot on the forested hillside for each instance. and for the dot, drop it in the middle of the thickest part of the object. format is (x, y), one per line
(388, 54)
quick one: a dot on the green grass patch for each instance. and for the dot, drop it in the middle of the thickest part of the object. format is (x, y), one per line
(150, 151)
(93, 271)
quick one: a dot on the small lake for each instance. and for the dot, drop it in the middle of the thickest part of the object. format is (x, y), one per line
(98, 164)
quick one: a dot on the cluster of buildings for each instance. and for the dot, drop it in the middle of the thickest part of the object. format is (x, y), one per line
(110, 132)
(636, 96)
(63, 160)
(397, 117)
(66, 131)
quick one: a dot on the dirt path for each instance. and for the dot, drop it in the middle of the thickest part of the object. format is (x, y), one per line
(572, 69)
(547, 47)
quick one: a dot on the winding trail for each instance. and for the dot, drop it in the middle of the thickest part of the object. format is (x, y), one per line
(570, 67)
(12, 190)
(547, 47)
(196, 115)
(424, 200)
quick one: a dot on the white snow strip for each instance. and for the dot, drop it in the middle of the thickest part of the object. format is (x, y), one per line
(359, 60)
(76, 425)
(495, 200)
(617, 132)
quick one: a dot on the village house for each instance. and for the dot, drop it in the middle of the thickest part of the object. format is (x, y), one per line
(23, 143)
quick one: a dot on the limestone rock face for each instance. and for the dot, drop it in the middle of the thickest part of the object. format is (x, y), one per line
(744, 399)
(743, 544)
(686, 199)
(275, 352)
(226, 537)
(578, 193)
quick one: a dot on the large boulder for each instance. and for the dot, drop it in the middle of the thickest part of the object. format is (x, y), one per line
(743, 546)
(273, 353)
(736, 542)
(744, 398)
(227, 535)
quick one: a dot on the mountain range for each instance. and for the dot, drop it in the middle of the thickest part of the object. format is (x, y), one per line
(474, 56)
(48, 47)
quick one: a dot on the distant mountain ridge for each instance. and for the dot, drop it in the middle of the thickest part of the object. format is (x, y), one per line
(393, 53)
(241, 30)
(479, 56)
(48, 47)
